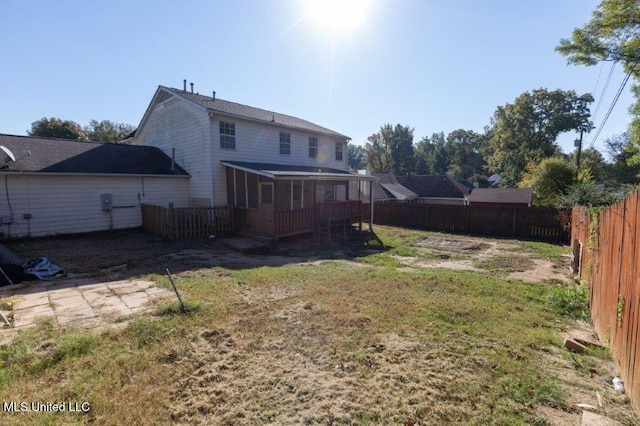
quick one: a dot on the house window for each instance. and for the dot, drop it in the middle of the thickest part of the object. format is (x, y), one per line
(285, 143)
(313, 147)
(330, 193)
(339, 148)
(227, 135)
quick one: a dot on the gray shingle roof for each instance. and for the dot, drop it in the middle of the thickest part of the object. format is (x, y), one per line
(440, 186)
(51, 155)
(388, 188)
(239, 110)
(290, 170)
(501, 195)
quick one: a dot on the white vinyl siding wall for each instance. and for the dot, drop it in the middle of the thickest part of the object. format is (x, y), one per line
(71, 204)
(260, 143)
(179, 124)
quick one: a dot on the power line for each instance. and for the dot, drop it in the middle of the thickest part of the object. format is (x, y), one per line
(615, 100)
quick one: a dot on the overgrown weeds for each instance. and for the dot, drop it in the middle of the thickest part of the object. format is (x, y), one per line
(572, 301)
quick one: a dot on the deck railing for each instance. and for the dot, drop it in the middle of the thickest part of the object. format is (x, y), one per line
(182, 223)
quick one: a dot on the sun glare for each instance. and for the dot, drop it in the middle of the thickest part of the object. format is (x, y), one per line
(339, 15)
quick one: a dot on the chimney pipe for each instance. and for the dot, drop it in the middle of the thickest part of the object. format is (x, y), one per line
(214, 95)
(184, 85)
(191, 87)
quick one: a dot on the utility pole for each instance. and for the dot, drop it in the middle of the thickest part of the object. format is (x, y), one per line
(578, 143)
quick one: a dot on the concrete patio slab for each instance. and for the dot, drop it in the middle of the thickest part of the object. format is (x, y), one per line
(79, 303)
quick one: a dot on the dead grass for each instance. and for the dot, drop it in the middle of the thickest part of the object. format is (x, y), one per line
(365, 339)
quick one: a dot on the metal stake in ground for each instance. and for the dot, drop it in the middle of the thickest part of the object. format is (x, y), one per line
(176, 290)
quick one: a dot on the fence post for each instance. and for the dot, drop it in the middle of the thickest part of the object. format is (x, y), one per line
(426, 216)
(170, 222)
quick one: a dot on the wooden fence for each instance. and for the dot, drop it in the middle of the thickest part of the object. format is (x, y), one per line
(540, 224)
(181, 223)
(605, 250)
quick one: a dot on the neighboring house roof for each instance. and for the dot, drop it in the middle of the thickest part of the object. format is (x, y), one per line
(435, 186)
(501, 196)
(217, 105)
(51, 155)
(388, 188)
(287, 171)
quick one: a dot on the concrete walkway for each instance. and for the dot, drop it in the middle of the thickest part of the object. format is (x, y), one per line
(80, 303)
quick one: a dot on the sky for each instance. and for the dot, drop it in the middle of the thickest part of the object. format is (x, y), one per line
(348, 65)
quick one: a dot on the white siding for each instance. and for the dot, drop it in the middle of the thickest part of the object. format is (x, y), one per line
(256, 142)
(71, 204)
(179, 124)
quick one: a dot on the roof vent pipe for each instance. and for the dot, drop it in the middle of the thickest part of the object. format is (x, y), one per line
(191, 87)
(184, 85)
(214, 95)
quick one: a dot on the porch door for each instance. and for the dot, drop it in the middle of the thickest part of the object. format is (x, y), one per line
(266, 207)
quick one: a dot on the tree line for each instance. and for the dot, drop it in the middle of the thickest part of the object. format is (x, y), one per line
(97, 131)
(519, 144)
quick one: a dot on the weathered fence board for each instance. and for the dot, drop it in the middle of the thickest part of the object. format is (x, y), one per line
(610, 264)
(187, 222)
(527, 222)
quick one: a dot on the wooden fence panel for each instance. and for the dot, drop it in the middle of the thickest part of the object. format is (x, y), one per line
(527, 222)
(611, 266)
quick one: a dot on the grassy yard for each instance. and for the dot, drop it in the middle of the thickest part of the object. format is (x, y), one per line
(365, 338)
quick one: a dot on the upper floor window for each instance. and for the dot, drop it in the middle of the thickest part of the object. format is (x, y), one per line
(339, 151)
(227, 135)
(285, 143)
(313, 147)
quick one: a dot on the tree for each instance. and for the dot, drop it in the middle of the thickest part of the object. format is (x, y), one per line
(107, 131)
(355, 157)
(612, 34)
(592, 165)
(550, 180)
(622, 170)
(390, 150)
(526, 131)
(464, 153)
(56, 128)
(431, 155)
(590, 194)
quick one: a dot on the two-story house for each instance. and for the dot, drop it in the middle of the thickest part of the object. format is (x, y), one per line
(283, 175)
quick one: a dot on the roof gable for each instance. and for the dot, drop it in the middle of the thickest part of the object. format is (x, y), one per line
(388, 188)
(51, 155)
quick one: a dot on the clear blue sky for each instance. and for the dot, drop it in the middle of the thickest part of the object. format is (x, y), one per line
(435, 65)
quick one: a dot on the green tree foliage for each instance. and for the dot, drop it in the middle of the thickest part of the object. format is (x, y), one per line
(56, 128)
(526, 131)
(431, 157)
(355, 157)
(622, 169)
(590, 194)
(550, 180)
(390, 150)
(464, 153)
(593, 166)
(107, 131)
(612, 34)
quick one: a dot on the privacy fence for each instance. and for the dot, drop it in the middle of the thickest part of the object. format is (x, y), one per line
(606, 257)
(531, 223)
(182, 223)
